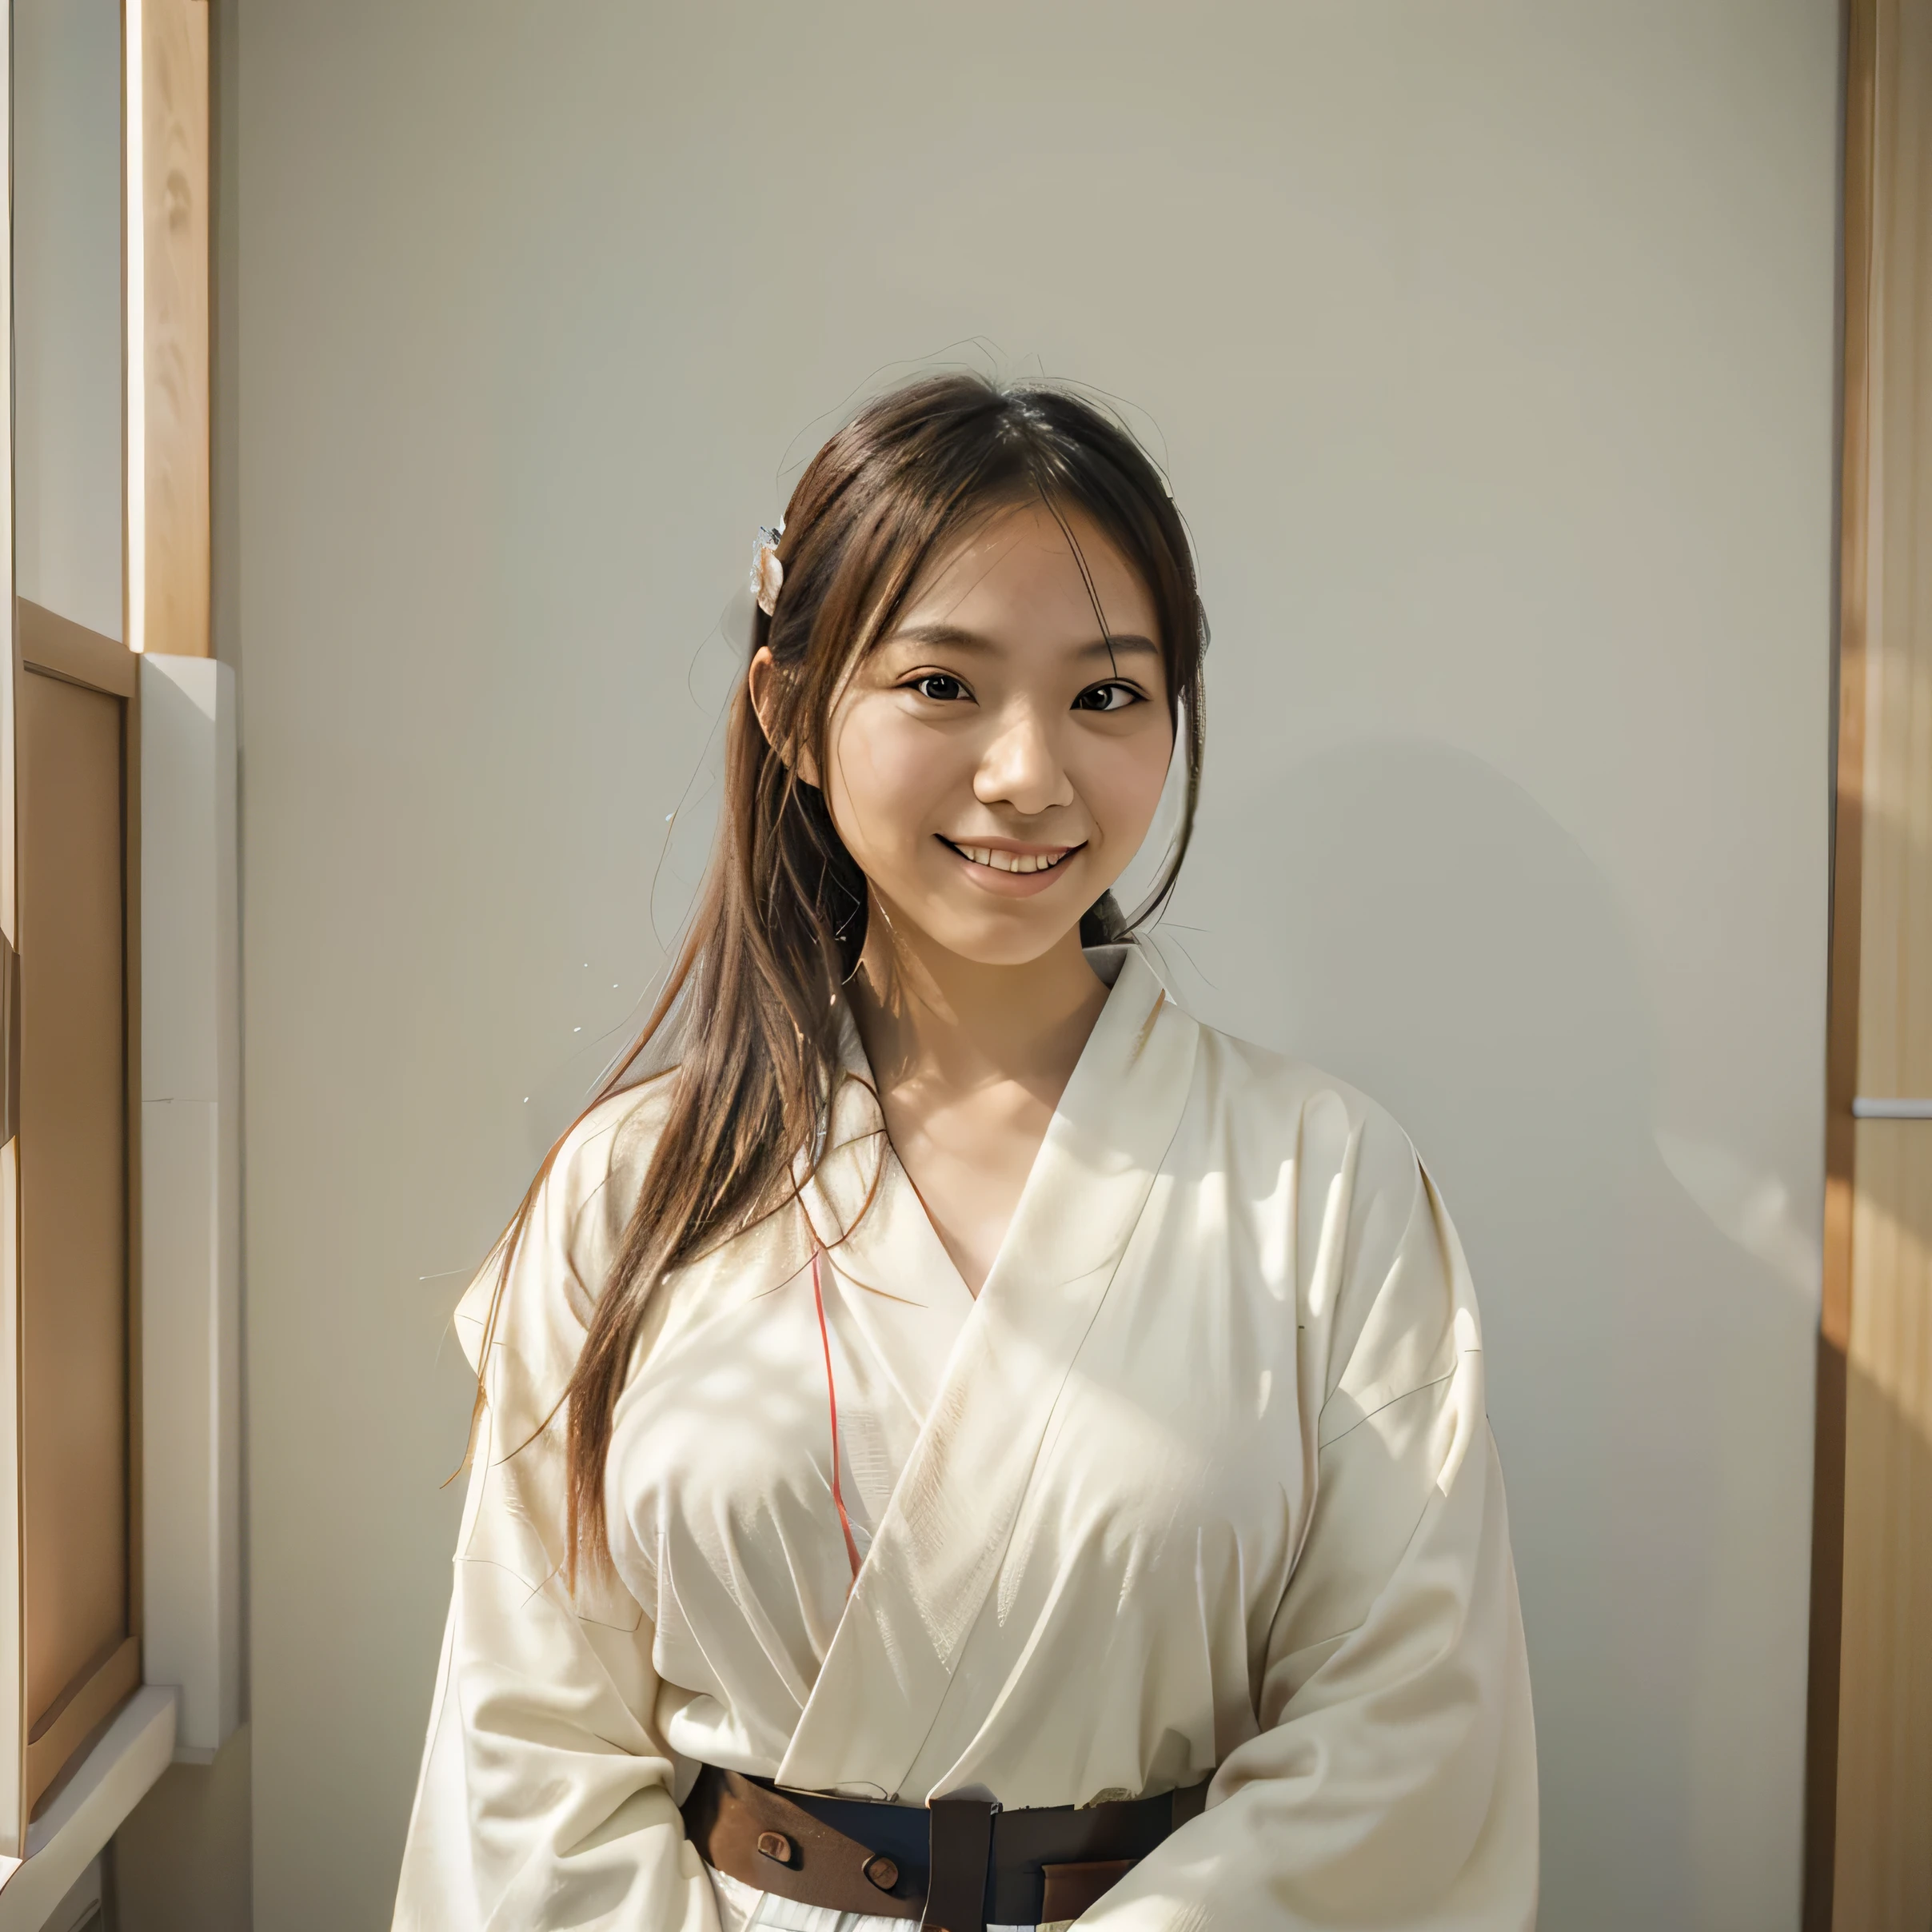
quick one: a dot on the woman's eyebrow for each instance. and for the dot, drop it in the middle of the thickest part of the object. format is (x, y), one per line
(1113, 645)
(943, 636)
(956, 637)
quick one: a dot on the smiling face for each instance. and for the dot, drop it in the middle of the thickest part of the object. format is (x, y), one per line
(996, 761)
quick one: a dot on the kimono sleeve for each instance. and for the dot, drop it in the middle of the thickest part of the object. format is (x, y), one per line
(1392, 1782)
(544, 1799)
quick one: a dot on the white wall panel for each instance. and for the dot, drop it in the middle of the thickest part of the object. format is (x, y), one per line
(191, 1206)
(67, 217)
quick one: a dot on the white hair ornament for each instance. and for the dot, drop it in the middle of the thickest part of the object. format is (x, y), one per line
(768, 573)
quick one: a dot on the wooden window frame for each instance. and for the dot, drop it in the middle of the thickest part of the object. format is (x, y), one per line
(166, 385)
(50, 645)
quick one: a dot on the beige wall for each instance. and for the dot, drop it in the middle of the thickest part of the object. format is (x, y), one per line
(1490, 347)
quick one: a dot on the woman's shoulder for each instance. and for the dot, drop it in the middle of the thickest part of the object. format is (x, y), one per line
(1357, 1176)
(578, 1214)
(607, 1152)
(1276, 1095)
(1261, 1097)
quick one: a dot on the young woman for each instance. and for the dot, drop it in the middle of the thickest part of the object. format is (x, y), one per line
(970, 1445)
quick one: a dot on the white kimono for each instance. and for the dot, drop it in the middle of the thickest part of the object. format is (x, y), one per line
(1201, 1482)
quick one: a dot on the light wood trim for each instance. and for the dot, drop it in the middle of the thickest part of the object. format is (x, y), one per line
(13, 1621)
(90, 1706)
(50, 642)
(137, 1511)
(1869, 1863)
(1895, 964)
(1841, 1024)
(175, 375)
(1882, 1872)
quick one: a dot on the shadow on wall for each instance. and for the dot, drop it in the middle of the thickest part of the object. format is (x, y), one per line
(181, 1860)
(1445, 945)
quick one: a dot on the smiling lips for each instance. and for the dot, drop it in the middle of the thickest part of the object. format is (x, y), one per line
(1006, 859)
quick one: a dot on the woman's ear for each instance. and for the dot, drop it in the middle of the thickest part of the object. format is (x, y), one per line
(761, 684)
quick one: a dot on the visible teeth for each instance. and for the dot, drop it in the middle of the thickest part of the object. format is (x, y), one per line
(1011, 861)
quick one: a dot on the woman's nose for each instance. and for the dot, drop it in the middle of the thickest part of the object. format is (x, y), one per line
(1021, 767)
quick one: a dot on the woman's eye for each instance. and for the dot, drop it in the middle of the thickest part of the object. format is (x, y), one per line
(938, 686)
(1107, 697)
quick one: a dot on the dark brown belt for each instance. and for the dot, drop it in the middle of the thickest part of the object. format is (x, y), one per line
(954, 1864)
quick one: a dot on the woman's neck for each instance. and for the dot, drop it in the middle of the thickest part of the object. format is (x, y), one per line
(971, 1062)
(952, 1027)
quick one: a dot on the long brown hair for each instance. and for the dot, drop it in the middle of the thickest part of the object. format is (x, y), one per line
(782, 918)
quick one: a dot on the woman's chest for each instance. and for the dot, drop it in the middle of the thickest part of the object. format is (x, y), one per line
(1171, 1423)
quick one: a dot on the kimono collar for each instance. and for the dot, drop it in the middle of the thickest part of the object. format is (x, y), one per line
(944, 1534)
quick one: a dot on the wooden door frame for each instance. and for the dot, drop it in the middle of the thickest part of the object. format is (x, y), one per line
(1878, 145)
